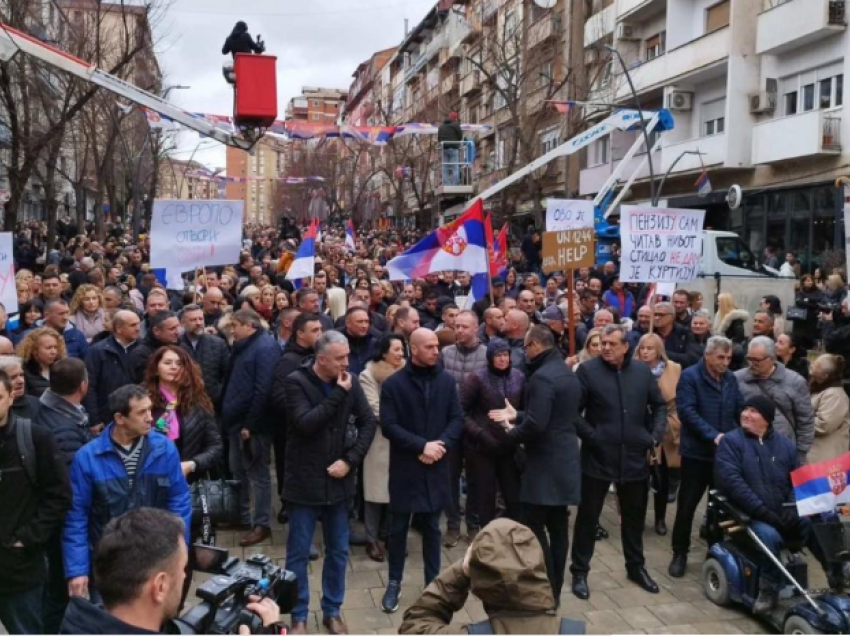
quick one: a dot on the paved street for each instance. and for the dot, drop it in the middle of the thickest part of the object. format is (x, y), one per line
(615, 605)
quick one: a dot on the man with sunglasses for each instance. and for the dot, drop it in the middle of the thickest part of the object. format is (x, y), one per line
(787, 390)
(679, 342)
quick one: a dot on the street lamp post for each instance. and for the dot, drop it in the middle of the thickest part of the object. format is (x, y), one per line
(652, 192)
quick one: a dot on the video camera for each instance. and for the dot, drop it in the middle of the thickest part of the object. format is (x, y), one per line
(225, 595)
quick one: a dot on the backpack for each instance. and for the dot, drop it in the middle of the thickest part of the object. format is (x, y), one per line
(26, 448)
(568, 626)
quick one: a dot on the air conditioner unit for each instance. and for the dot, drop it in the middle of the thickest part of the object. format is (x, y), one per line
(680, 100)
(763, 102)
(626, 31)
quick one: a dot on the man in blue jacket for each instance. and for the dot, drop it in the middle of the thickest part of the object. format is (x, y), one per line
(753, 469)
(709, 404)
(248, 420)
(56, 314)
(123, 469)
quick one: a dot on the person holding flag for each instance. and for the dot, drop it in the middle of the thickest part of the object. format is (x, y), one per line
(350, 242)
(304, 265)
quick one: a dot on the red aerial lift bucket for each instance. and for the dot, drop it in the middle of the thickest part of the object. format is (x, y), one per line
(256, 90)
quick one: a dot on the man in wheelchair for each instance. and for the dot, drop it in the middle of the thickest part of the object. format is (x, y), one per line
(752, 469)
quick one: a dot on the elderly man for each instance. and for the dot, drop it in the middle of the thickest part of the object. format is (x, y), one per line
(24, 406)
(526, 302)
(56, 314)
(753, 470)
(679, 342)
(709, 406)
(624, 418)
(788, 391)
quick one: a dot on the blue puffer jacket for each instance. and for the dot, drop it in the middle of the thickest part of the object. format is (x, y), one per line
(75, 342)
(706, 408)
(756, 474)
(101, 492)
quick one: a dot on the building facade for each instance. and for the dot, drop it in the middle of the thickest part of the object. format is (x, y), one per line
(258, 173)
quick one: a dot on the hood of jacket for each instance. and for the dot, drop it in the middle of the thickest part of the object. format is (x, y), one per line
(82, 617)
(380, 371)
(735, 314)
(507, 569)
(51, 400)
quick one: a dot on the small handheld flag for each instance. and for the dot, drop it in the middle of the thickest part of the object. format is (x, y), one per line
(304, 264)
(703, 184)
(820, 487)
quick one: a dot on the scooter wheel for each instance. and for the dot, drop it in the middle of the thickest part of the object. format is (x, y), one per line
(715, 583)
(799, 625)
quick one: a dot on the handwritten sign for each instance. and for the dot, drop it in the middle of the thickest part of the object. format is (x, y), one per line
(569, 249)
(8, 292)
(568, 214)
(186, 235)
(660, 245)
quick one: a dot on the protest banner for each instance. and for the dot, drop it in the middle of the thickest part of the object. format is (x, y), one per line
(567, 250)
(8, 292)
(186, 235)
(568, 214)
(660, 245)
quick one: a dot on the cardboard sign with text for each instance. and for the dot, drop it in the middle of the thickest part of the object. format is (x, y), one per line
(660, 245)
(568, 249)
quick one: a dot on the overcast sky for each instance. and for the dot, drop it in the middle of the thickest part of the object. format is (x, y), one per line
(317, 43)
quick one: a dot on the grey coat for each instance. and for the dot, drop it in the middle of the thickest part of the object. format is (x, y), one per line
(790, 395)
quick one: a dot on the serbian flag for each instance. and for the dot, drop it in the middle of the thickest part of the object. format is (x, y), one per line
(703, 184)
(460, 245)
(499, 258)
(562, 107)
(820, 487)
(304, 264)
(350, 243)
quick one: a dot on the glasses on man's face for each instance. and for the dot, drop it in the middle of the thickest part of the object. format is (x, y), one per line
(751, 360)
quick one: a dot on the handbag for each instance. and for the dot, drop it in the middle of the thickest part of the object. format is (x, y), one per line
(215, 499)
(797, 313)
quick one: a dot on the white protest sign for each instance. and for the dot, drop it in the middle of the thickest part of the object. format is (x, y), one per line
(186, 235)
(8, 292)
(568, 214)
(660, 245)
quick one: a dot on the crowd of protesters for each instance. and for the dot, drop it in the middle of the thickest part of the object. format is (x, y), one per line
(381, 403)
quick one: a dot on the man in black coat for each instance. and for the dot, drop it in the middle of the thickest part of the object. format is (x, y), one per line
(240, 41)
(624, 419)
(108, 366)
(331, 427)
(547, 428)
(306, 330)
(35, 497)
(422, 418)
(210, 352)
(679, 342)
(361, 341)
(308, 303)
(62, 414)
(165, 330)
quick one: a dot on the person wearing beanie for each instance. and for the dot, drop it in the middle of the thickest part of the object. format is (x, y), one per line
(490, 453)
(752, 468)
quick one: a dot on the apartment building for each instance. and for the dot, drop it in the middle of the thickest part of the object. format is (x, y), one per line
(317, 105)
(756, 88)
(259, 171)
(186, 180)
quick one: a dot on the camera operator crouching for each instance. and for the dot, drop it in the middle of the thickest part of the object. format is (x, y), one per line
(140, 565)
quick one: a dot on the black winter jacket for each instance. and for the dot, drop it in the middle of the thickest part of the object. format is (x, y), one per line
(36, 383)
(69, 425)
(213, 356)
(547, 427)
(139, 357)
(624, 417)
(482, 392)
(199, 441)
(449, 130)
(681, 346)
(291, 360)
(756, 474)
(108, 367)
(316, 437)
(84, 617)
(360, 351)
(248, 386)
(419, 405)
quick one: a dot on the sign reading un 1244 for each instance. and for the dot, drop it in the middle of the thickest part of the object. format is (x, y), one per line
(568, 249)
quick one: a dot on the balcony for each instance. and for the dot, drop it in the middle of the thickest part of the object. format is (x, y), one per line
(809, 134)
(470, 83)
(665, 69)
(545, 28)
(599, 25)
(795, 23)
(449, 83)
(713, 148)
(629, 9)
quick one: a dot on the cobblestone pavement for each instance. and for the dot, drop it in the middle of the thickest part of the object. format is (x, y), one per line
(615, 606)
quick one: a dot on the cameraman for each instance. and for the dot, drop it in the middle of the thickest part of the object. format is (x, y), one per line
(835, 330)
(139, 566)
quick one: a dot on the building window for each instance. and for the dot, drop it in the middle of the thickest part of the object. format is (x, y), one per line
(808, 97)
(717, 17)
(317, 103)
(549, 140)
(714, 117)
(790, 103)
(597, 152)
(316, 116)
(607, 73)
(546, 76)
(655, 46)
